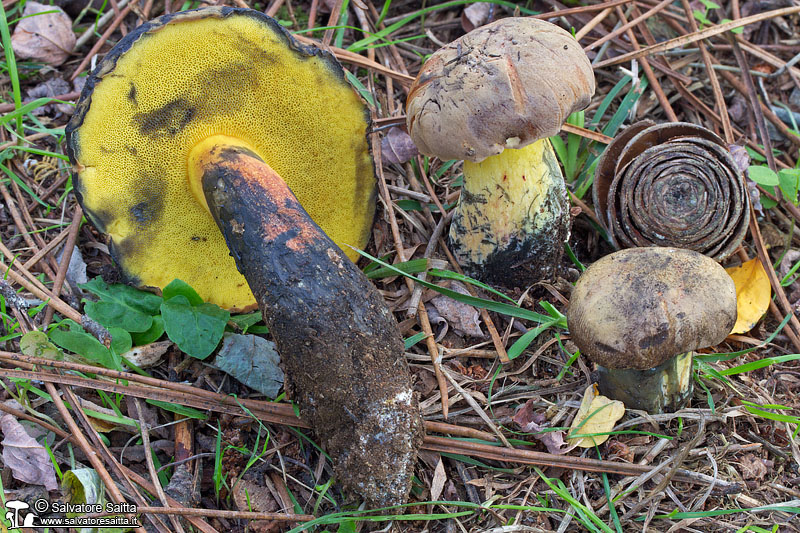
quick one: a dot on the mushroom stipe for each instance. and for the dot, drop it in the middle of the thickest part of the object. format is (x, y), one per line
(340, 345)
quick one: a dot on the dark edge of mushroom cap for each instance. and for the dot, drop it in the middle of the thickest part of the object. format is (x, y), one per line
(109, 62)
(638, 307)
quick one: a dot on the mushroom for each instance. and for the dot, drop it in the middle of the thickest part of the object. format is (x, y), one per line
(493, 97)
(218, 146)
(640, 312)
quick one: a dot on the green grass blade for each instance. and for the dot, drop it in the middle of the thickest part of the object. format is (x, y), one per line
(11, 65)
(362, 44)
(761, 363)
(481, 303)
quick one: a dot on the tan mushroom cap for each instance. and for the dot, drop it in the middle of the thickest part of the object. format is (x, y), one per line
(637, 308)
(503, 85)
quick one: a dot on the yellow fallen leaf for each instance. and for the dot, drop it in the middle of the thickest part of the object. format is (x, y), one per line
(597, 414)
(752, 294)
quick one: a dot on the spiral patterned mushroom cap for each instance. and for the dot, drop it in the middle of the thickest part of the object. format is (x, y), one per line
(503, 85)
(673, 184)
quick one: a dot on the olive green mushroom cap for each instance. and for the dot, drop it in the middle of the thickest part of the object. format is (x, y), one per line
(503, 85)
(637, 308)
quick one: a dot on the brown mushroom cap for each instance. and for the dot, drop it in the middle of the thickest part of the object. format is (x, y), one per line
(503, 85)
(637, 308)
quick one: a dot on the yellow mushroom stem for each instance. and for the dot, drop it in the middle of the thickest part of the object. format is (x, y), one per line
(513, 216)
(663, 389)
(206, 154)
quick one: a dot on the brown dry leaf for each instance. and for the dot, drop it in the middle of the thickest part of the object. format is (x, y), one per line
(464, 318)
(437, 483)
(597, 414)
(250, 496)
(47, 38)
(147, 355)
(475, 15)
(535, 423)
(752, 294)
(28, 460)
(397, 147)
(620, 450)
(754, 467)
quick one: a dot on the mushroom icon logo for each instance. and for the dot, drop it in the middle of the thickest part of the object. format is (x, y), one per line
(12, 516)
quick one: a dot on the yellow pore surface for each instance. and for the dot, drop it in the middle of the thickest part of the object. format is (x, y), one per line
(195, 78)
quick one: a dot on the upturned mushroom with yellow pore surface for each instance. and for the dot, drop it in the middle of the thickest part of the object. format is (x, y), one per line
(492, 98)
(186, 77)
(639, 313)
(209, 154)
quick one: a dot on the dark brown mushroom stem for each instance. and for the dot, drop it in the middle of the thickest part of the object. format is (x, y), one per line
(340, 346)
(663, 389)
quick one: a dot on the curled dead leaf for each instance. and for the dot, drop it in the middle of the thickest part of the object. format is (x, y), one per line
(753, 467)
(464, 318)
(147, 355)
(28, 460)
(475, 15)
(536, 423)
(597, 414)
(43, 34)
(397, 146)
(753, 294)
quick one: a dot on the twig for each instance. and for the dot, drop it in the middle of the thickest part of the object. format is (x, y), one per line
(61, 275)
(697, 36)
(628, 25)
(103, 38)
(477, 408)
(144, 431)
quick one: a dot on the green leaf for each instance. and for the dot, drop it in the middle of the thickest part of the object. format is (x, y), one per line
(763, 175)
(789, 182)
(409, 267)
(737, 31)
(245, 322)
(179, 287)
(189, 412)
(709, 4)
(196, 329)
(151, 335)
(701, 17)
(414, 339)
(76, 340)
(36, 344)
(112, 314)
(767, 202)
(121, 306)
(481, 303)
(142, 301)
(755, 156)
(523, 342)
